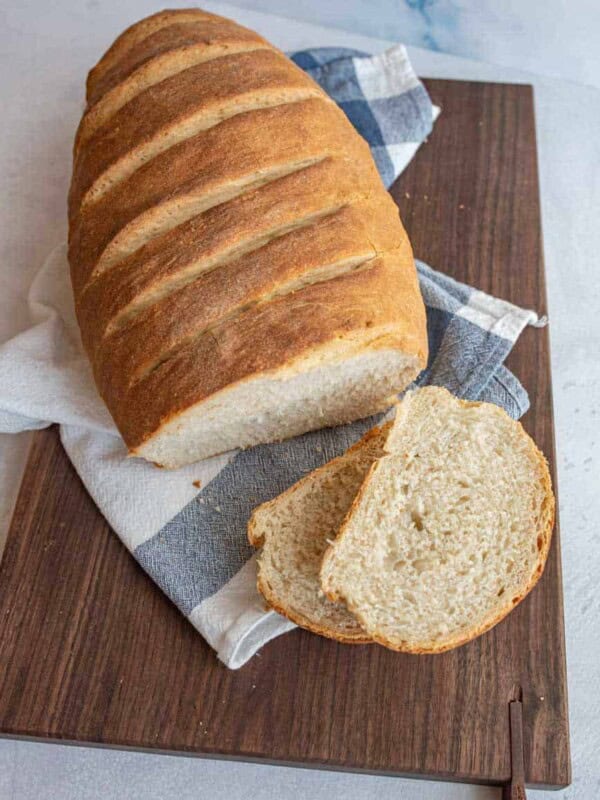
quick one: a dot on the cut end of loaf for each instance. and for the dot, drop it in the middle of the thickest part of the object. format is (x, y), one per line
(330, 388)
(450, 530)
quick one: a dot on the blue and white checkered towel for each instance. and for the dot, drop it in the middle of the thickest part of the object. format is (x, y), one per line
(187, 528)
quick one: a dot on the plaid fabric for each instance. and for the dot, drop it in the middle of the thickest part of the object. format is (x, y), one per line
(382, 97)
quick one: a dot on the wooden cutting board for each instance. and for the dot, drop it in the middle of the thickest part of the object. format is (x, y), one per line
(92, 652)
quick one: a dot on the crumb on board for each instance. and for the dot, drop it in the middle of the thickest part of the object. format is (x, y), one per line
(197, 484)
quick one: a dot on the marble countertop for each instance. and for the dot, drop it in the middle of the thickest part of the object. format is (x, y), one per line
(552, 38)
(46, 49)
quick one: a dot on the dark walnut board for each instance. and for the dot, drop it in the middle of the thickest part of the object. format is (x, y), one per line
(92, 652)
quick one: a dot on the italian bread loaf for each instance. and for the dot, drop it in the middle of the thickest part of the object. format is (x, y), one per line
(450, 529)
(240, 273)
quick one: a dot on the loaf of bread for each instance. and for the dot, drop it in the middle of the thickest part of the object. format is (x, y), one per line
(450, 530)
(240, 273)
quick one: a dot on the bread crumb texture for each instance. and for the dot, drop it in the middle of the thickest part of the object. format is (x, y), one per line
(450, 529)
(295, 529)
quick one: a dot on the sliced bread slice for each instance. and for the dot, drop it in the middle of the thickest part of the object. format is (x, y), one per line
(294, 530)
(449, 531)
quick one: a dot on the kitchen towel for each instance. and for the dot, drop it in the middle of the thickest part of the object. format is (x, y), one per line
(187, 528)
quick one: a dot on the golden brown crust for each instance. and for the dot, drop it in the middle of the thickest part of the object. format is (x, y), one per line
(324, 189)
(155, 209)
(263, 340)
(232, 151)
(543, 535)
(173, 38)
(161, 330)
(207, 87)
(139, 31)
(183, 46)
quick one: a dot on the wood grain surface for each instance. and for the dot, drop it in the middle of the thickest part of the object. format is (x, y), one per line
(92, 652)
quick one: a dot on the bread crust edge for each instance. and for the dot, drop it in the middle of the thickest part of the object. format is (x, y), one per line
(307, 624)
